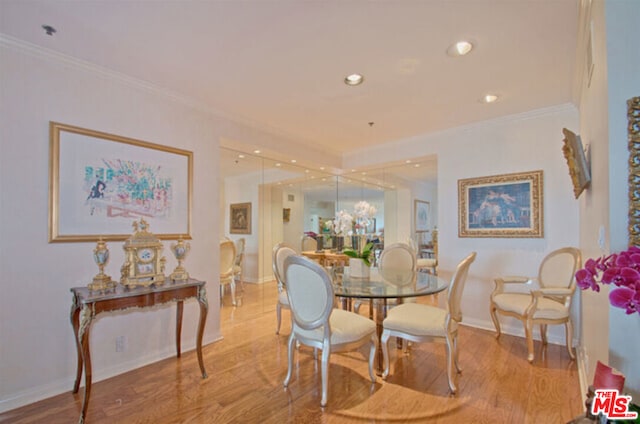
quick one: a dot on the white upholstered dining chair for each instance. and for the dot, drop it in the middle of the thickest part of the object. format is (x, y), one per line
(281, 251)
(317, 324)
(424, 323)
(397, 257)
(550, 304)
(227, 263)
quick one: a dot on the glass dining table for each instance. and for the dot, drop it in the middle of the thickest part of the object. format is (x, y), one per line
(381, 286)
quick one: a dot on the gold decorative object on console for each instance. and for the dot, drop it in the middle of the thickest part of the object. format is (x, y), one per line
(633, 115)
(180, 251)
(101, 256)
(144, 263)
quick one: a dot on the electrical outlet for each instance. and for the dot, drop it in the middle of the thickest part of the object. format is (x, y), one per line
(120, 344)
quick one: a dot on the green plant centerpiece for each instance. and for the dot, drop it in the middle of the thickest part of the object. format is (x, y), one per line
(364, 254)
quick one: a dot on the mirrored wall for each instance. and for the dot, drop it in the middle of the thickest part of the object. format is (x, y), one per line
(284, 201)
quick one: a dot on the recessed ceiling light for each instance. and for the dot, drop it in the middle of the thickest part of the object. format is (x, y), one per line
(322, 168)
(353, 79)
(293, 161)
(306, 171)
(257, 152)
(241, 156)
(417, 165)
(278, 164)
(489, 98)
(407, 161)
(460, 48)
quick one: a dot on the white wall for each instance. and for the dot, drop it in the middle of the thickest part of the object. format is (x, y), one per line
(36, 340)
(37, 350)
(624, 83)
(519, 143)
(603, 113)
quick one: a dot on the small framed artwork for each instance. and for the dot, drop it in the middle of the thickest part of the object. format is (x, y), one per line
(286, 214)
(240, 218)
(508, 205)
(421, 216)
(100, 184)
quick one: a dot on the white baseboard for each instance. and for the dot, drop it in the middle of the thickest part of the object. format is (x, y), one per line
(64, 385)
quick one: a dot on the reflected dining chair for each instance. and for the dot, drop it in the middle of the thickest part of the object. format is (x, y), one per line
(425, 264)
(317, 324)
(239, 262)
(281, 251)
(425, 323)
(550, 304)
(227, 274)
(308, 244)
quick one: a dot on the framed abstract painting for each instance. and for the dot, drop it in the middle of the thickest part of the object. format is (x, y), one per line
(100, 183)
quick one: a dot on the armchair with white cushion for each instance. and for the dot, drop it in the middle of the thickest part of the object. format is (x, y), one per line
(550, 304)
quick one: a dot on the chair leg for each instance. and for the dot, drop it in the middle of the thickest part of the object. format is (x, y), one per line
(278, 317)
(569, 334)
(326, 352)
(233, 292)
(450, 374)
(372, 357)
(290, 344)
(494, 318)
(384, 340)
(543, 333)
(528, 331)
(455, 354)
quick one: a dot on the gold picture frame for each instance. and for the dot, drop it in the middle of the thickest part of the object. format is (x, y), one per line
(577, 162)
(633, 116)
(507, 205)
(99, 183)
(240, 218)
(421, 212)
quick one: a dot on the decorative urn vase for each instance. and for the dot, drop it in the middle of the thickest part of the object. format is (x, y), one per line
(101, 257)
(180, 251)
(358, 268)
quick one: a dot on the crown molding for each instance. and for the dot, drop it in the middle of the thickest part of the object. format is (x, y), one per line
(454, 131)
(34, 50)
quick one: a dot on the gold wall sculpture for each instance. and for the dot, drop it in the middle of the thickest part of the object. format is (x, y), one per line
(633, 115)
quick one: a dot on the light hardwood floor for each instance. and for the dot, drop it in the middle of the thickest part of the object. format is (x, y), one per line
(246, 370)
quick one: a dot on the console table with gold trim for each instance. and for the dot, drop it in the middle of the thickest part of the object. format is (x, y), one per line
(87, 304)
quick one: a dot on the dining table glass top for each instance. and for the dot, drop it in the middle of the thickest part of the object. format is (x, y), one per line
(387, 283)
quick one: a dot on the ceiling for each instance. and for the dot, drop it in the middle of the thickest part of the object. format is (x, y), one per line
(279, 65)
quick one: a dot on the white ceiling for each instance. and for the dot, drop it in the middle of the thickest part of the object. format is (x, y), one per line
(280, 64)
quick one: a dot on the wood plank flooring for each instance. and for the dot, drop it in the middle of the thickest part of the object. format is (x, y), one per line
(247, 368)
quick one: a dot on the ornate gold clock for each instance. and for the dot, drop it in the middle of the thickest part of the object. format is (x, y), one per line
(144, 263)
